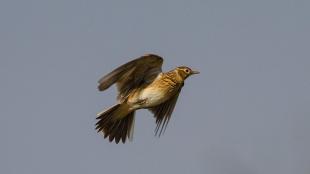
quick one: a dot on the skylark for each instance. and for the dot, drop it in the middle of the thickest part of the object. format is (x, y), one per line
(141, 85)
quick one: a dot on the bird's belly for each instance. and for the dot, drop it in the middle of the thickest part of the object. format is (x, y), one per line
(153, 97)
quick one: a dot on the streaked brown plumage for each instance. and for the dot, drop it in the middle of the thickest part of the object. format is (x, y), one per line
(141, 85)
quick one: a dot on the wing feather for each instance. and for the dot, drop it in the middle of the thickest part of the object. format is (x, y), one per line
(163, 112)
(133, 74)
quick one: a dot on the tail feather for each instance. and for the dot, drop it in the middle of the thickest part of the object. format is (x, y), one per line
(116, 123)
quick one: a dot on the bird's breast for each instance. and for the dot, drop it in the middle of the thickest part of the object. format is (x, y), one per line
(153, 96)
(157, 94)
(159, 91)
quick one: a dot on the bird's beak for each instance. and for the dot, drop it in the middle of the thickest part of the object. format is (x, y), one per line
(195, 72)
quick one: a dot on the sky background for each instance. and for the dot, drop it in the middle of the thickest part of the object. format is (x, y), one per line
(248, 112)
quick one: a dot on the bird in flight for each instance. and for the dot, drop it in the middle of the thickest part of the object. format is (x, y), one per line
(141, 84)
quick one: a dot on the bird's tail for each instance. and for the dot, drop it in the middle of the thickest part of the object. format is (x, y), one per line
(116, 123)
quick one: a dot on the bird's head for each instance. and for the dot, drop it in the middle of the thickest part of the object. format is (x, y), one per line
(185, 72)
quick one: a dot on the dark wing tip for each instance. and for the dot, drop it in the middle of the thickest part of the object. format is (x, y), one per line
(153, 57)
(102, 87)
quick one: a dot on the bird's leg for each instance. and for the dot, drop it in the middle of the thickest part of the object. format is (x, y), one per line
(141, 102)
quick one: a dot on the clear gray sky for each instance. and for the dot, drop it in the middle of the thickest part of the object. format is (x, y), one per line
(248, 112)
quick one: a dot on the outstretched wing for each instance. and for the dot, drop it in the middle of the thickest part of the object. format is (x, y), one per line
(162, 113)
(132, 74)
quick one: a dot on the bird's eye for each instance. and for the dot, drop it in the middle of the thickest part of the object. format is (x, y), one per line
(187, 71)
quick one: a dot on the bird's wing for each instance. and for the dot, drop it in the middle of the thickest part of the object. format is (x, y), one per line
(162, 113)
(132, 74)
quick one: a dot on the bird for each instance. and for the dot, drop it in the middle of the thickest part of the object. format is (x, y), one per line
(141, 84)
